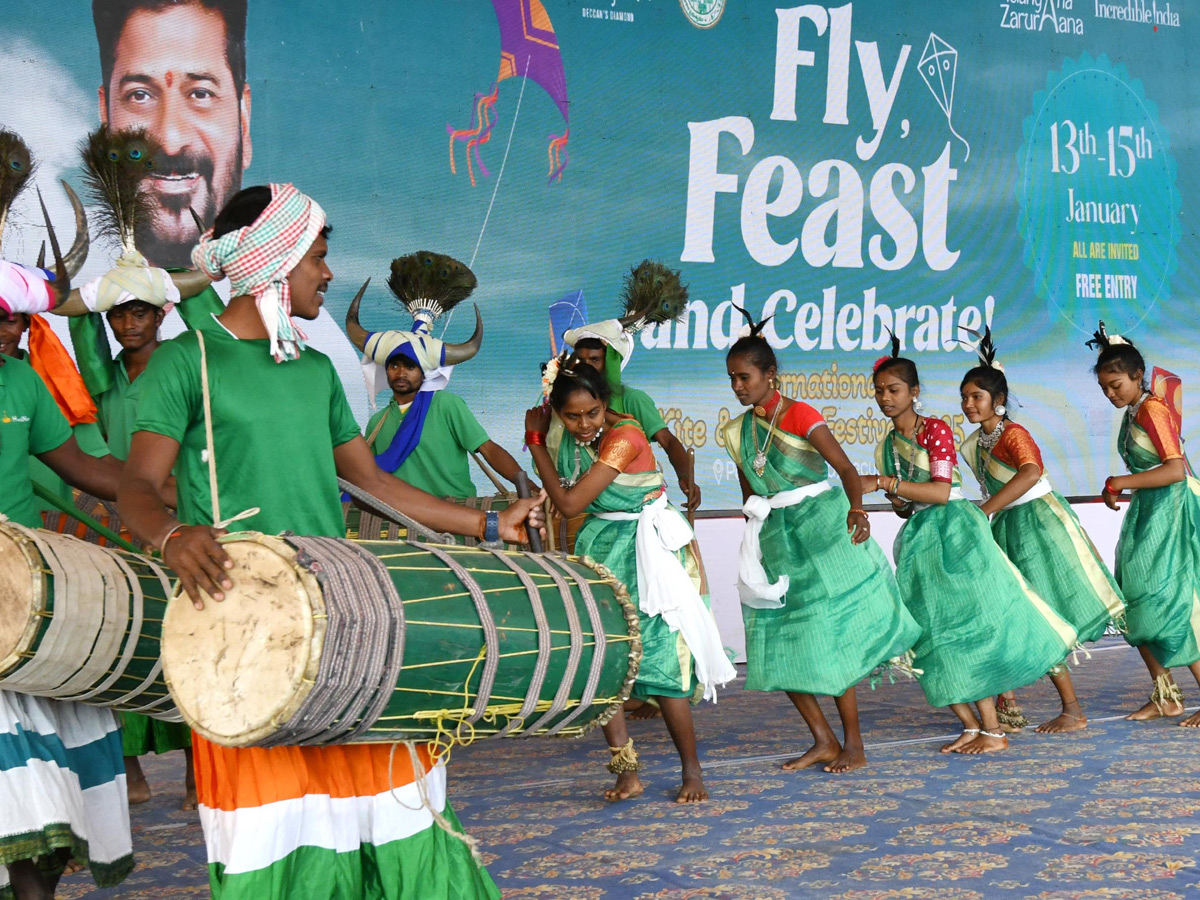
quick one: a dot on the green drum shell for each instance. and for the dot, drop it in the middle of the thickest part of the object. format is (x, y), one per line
(444, 656)
(153, 698)
(444, 637)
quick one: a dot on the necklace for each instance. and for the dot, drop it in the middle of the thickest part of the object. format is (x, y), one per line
(760, 454)
(1131, 412)
(912, 461)
(986, 442)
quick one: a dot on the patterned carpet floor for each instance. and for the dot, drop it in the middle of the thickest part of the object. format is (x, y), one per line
(1109, 813)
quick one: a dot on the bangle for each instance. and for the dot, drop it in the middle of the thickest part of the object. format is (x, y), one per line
(861, 512)
(535, 438)
(1109, 489)
(173, 533)
(895, 491)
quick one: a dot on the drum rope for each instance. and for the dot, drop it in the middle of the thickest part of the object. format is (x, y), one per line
(576, 651)
(155, 673)
(423, 793)
(206, 395)
(364, 645)
(599, 645)
(394, 514)
(491, 635)
(544, 642)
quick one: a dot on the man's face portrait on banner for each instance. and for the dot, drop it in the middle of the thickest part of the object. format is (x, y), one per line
(178, 68)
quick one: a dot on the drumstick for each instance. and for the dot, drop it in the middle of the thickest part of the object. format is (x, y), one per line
(691, 470)
(535, 539)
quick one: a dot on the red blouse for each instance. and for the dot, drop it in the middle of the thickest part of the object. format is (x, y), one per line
(1017, 448)
(1155, 417)
(627, 449)
(800, 418)
(937, 440)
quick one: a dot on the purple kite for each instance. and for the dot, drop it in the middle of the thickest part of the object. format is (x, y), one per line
(529, 47)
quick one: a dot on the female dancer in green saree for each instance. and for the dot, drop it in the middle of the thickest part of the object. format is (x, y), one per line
(1033, 524)
(984, 630)
(1158, 553)
(605, 467)
(821, 609)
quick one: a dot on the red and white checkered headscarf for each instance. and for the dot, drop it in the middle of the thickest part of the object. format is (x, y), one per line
(258, 258)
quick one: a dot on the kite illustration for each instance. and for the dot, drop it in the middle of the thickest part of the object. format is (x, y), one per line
(529, 49)
(566, 313)
(938, 67)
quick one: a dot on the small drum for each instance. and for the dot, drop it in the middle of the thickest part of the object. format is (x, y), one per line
(323, 640)
(81, 622)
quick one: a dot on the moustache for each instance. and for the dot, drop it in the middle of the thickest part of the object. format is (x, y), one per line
(183, 163)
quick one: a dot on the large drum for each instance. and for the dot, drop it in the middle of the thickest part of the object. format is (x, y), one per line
(81, 622)
(323, 640)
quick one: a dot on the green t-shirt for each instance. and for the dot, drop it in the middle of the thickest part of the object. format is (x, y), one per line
(30, 423)
(638, 404)
(106, 379)
(440, 464)
(274, 429)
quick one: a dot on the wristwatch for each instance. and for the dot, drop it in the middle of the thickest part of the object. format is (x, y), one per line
(491, 528)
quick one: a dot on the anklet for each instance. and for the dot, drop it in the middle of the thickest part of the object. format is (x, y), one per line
(624, 759)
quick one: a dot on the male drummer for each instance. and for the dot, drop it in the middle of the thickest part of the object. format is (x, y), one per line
(289, 822)
(62, 784)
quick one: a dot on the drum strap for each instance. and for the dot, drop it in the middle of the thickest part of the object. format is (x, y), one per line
(218, 522)
(544, 640)
(559, 703)
(491, 634)
(598, 643)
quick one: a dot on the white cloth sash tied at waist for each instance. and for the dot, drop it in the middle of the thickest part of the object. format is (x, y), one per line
(1040, 488)
(754, 589)
(955, 494)
(665, 589)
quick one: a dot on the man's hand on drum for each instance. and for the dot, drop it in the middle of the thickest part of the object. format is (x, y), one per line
(193, 553)
(522, 515)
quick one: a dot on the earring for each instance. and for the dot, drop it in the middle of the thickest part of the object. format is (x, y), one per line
(918, 406)
(1001, 410)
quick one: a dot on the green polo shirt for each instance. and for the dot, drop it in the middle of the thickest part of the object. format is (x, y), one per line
(638, 404)
(440, 464)
(30, 423)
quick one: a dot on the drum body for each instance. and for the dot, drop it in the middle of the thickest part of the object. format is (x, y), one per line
(334, 641)
(81, 622)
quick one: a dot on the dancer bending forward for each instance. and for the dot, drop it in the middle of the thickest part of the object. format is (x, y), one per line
(822, 608)
(984, 629)
(1033, 524)
(605, 467)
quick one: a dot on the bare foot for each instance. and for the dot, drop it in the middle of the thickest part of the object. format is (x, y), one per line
(1063, 723)
(138, 791)
(190, 801)
(628, 785)
(1170, 709)
(966, 737)
(820, 752)
(985, 742)
(852, 757)
(1192, 721)
(692, 790)
(72, 866)
(646, 711)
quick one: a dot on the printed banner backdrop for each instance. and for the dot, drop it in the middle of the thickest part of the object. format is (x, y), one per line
(928, 167)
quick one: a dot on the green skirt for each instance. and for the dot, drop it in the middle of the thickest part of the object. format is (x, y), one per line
(1158, 569)
(842, 615)
(141, 735)
(984, 630)
(1044, 540)
(666, 669)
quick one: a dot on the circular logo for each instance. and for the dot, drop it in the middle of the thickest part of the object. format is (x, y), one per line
(703, 13)
(1099, 205)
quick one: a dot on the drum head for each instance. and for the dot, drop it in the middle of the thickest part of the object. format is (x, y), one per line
(239, 668)
(22, 595)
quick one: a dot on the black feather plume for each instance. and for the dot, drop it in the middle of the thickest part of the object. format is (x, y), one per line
(895, 344)
(16, 167)
(432, 281)
(755, 327)
(984, 347)
(116, 162)
(1099, 340)
(653, 294)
